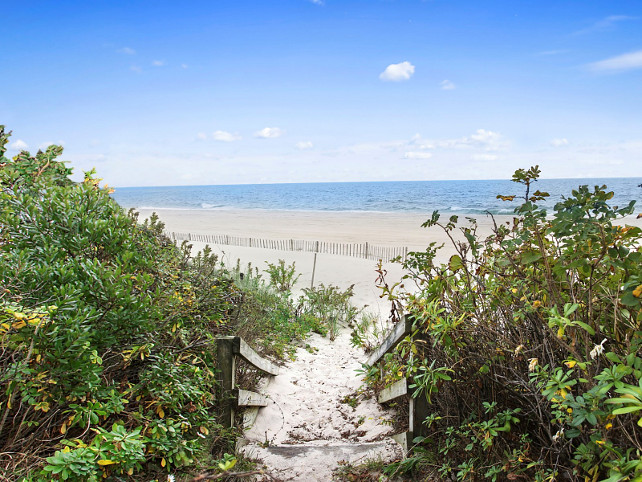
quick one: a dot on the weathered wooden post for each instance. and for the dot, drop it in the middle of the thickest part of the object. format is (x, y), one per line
(314, 268)
(227, 371)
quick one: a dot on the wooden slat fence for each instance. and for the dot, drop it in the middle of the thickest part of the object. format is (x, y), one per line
(356, 250)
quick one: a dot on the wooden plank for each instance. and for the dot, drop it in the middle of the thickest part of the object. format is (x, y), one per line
(227, 369)
(418, 411)
(249, 417)
(244, 350)
(397, 334)
(245, 398)
(403, 439)
(396, 390)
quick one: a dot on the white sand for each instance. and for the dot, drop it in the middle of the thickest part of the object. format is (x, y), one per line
(381, 229)
(311, 407)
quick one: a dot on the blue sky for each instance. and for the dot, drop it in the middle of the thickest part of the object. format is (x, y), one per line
(235, 91)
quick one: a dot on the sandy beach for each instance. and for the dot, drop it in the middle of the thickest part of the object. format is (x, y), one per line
(383, 229)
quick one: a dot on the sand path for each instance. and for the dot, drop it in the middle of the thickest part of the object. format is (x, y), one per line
(318, 415)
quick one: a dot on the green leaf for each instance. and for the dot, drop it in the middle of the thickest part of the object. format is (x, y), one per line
(629, 300)
(588, 328)
(455, 263)
(623, 410)
(531, 256)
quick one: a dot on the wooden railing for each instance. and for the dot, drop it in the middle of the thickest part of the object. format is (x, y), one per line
(418, 406)
(233, 398)
(356, 250)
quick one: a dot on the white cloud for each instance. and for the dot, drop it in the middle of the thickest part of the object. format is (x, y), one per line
(318, 2)
(201, 136)
(184, 66)
(304, 145)
(269, 133)
(606, 23)
(136, 68)
(552, 52)
(559, 142)
(225, 136)
(484, 157)
(127, 51)
(482, 138)
(398, 72)
(158, 63)
(630, 61)
(19, 145)
(417, 155)
(447, 85)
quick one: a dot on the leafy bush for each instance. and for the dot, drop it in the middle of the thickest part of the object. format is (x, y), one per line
(107, 332)
(100, 327)
(282, 277)
(330, 306)
(528, 342)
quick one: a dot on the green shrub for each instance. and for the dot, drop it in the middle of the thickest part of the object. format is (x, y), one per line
(329, 305)
(103, 323)
(282, 277)
(536, 333)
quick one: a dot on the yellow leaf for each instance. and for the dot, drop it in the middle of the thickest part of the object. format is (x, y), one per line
(106, 462)
(204, 430)
(163, 462)
(160, 412)
(130, 471)
(570, 363)
(63, 429)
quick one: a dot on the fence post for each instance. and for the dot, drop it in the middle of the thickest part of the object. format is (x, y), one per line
(227, 370)
(314, 267)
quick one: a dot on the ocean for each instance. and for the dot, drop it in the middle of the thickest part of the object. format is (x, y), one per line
(448, 197)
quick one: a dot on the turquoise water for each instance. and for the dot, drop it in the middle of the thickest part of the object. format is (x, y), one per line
(462, 197)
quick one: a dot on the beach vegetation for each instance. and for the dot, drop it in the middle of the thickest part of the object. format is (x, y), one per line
(330, 305)
(527, 343)
(283, 277)
(108, 333)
